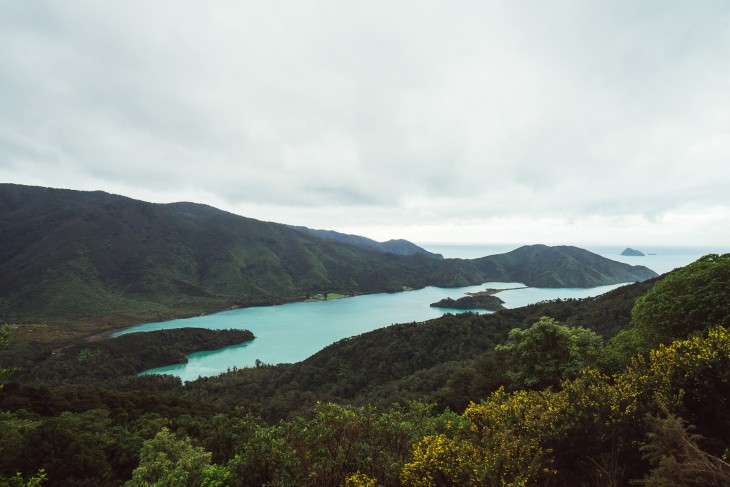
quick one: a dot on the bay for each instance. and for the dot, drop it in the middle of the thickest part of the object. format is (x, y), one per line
(292, 332)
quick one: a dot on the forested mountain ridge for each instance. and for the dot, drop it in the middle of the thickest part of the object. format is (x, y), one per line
(71, 255)
(395, 246)
(560, 266)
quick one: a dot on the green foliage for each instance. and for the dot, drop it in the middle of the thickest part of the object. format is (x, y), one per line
(167, 461)
(338, 442)
(502, 445)
(547, 353)
(689, 299)
(126, 355)
(18, 480)
(587, 432)
(72, 448)
(4, 339)
(620, 350)
(677, 459)
(491, 303)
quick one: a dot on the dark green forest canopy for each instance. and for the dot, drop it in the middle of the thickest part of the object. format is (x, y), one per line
(490, 303)
(691, 298)
(109, 360)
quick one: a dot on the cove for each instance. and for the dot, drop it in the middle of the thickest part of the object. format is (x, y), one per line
(292, 332)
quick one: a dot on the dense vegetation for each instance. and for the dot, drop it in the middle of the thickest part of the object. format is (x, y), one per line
(108, 360)
(92, 258)
(490, 303)
(395, 246)
(550, 394)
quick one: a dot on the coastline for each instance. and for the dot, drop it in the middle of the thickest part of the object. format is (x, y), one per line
(492, 291)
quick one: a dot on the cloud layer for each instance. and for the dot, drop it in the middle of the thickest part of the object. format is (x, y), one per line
(480, 121)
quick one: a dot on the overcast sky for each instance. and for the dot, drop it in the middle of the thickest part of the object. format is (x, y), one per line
(471, 121)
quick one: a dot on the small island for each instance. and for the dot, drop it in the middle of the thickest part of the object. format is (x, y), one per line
(485, 300)
(632, 252)
(480, 300)
(489, 303)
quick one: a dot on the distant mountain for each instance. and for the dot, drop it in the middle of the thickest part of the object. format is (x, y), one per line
(397, 246)
(632, 252)
(71, 255)
(560, 266)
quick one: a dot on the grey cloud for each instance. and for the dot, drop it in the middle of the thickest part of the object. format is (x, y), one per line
(416, 111)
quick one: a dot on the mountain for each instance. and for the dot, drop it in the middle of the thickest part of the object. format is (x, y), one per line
(560, 266)
(396, 246)
(69, 256)
(632, 252)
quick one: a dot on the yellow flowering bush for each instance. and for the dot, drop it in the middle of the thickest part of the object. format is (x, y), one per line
(440, 460)
(503, 445)
(592, 428)
(360, 480)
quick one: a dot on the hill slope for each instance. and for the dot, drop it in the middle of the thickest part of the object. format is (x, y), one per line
(71, 255)
(410, 360)
(560, 266)
(395, 246)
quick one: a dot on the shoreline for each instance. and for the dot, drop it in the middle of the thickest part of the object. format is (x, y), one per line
(317, 298)
(493, 291)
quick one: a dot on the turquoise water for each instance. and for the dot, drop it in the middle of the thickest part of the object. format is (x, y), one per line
(292, 332)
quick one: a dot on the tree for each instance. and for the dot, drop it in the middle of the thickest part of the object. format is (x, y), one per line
(677, 459)
(166, 460)
(620, 350)
(18, 480)
(547, 353)
(689, 299)
(4, 339)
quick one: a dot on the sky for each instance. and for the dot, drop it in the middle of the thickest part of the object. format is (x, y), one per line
(561, 122)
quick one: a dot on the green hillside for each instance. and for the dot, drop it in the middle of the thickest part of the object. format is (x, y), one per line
(91, 256)
(560, 266)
